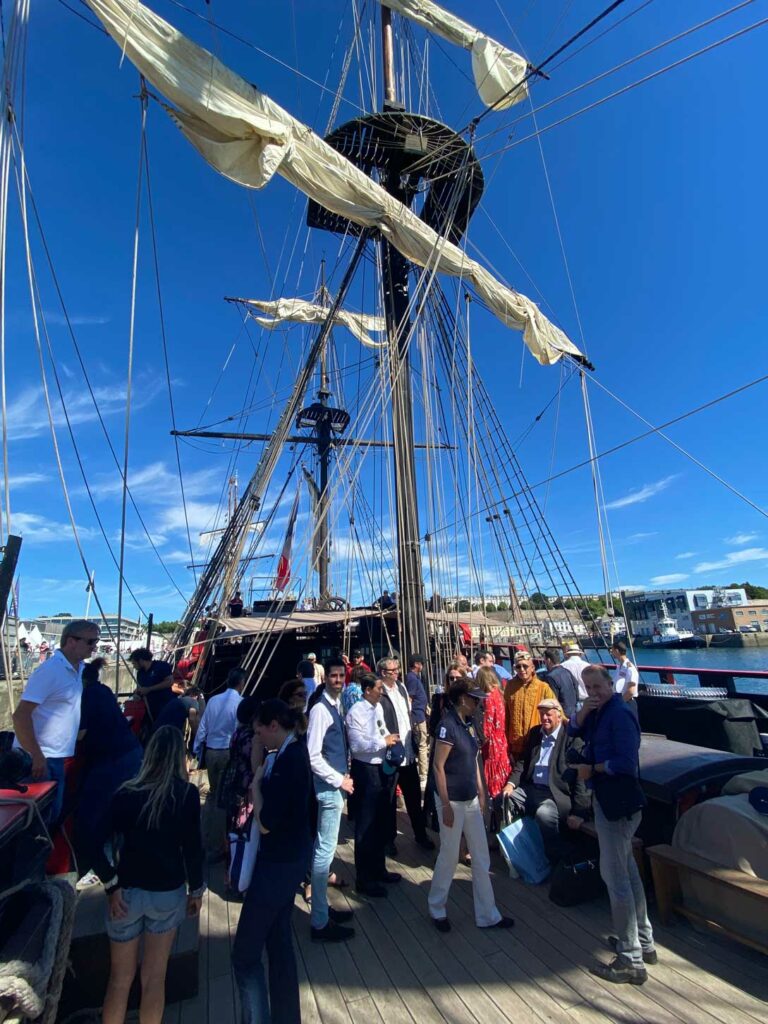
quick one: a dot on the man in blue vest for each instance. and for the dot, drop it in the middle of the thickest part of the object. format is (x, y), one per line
(329, 761)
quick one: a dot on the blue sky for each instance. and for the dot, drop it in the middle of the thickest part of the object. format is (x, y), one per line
(660, 200)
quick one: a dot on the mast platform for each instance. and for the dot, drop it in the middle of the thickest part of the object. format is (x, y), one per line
(398, 968)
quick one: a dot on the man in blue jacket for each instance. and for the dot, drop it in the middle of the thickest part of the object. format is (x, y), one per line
(418, 695)
(610, 767)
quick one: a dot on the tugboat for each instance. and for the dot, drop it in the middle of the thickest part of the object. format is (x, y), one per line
(667, 634)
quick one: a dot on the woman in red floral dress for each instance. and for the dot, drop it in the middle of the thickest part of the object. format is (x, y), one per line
(496, 767)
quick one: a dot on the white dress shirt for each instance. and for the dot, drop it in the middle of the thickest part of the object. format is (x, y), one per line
(219, 721)
(403, 713)
(626, 675)
(541, 769)
(576, 665)
(320, 721)
(366, 732)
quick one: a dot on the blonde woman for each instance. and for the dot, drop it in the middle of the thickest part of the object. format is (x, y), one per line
(156, 879)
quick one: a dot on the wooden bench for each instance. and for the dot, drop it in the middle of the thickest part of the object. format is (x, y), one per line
(588, 829)
(668, 865)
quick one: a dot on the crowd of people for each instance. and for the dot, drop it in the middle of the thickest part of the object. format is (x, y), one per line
(560, 748)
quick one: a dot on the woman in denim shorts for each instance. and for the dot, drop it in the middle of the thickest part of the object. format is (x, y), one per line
(156, 878)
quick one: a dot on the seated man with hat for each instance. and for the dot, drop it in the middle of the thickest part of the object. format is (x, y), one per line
(545, 785)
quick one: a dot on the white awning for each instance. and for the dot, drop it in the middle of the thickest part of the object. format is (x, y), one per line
(247, 137)
(298, 311)
(497, 70)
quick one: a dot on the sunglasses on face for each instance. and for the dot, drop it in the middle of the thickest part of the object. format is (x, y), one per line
(91, 641)
(453, 679)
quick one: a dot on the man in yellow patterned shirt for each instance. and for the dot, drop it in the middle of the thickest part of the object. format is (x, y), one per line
(522, 696)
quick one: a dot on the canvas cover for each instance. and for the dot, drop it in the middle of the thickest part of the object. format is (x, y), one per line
(727, 831)
(278, 311)
(248, 138)
(497, 70)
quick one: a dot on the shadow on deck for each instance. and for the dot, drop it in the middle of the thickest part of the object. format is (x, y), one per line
(397, 968)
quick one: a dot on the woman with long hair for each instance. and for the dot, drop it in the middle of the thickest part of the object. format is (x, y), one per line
(460, 805)
(496, 767)
(281, 789)
(155, 878)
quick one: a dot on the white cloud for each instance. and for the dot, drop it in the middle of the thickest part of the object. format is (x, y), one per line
(642, 494)
(670, 577)
(201, 515)
(27, 479)
(734, 558)
(27, 416)
(36, 529)
(686, 554)
(154, 483)
(77, 320)
(636, 538)
(741, 538)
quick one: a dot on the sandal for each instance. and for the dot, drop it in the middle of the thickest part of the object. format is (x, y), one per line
(306, 892)
(467, 860)
(334, 882)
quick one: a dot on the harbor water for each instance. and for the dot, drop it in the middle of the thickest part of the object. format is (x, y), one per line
(745, 659)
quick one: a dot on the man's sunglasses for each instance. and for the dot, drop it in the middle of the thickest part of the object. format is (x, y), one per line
(86, 640)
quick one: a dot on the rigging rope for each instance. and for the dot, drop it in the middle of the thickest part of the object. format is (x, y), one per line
(164, 338)
(129, 378)
(623, 444)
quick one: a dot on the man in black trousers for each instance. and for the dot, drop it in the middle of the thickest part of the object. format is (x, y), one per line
(369, 740)
(554, 795)
(396, 707)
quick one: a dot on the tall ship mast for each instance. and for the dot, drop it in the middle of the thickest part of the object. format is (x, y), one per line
(398, 188)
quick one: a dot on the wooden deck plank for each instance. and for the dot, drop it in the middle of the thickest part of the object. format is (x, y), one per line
(511, 957)
(397, 968)
(325, 990)
(702, 988)
(674, 994)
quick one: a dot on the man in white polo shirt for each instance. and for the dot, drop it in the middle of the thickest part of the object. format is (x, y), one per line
(47, 718)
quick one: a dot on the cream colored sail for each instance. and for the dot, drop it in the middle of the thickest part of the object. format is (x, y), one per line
(279, 311)
(498, 71)
(248, 137)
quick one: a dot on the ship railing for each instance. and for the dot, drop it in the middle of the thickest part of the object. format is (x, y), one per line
(734, 681)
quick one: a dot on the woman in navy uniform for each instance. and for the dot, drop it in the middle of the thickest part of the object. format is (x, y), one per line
(460, 802)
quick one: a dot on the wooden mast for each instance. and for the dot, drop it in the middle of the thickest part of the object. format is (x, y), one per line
(395, 270)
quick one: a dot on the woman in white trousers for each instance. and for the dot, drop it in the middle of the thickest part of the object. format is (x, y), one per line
(460, 804)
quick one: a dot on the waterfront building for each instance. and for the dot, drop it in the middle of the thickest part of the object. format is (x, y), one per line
(749, 618)
(646, 608)
(51, 626)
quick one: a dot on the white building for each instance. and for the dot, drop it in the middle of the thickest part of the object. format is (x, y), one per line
(645, 608)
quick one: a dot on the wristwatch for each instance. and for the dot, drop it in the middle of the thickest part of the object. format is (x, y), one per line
(197, 893)
(111, 886)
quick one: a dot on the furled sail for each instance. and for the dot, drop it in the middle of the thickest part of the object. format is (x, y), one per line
(301, 312)
(498, 71)
(248, 137)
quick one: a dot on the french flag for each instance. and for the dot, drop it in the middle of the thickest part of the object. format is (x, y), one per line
(283, 577)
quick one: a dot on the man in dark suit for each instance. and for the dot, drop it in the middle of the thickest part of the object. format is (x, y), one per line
(561, 681)
(553, 794)
(398, 717)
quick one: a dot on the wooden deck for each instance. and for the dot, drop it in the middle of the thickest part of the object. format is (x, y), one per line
(398, 969)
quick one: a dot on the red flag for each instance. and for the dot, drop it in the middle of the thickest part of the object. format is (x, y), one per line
(283, 577)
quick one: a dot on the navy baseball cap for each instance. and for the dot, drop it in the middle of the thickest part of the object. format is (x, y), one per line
(394, 757)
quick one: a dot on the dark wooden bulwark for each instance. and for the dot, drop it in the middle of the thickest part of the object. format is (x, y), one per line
(399, 970)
